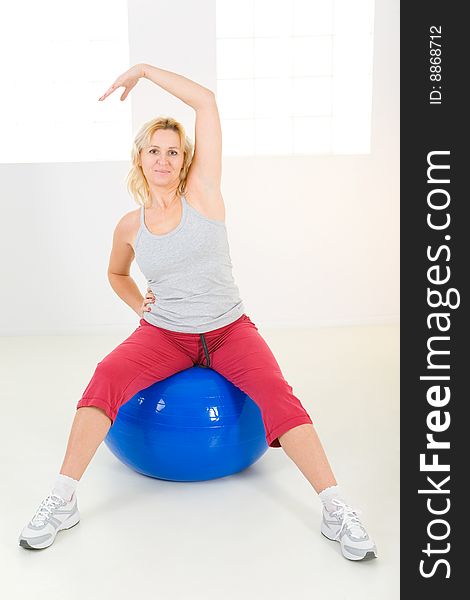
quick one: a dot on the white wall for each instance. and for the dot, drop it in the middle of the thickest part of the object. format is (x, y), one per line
(314, 240)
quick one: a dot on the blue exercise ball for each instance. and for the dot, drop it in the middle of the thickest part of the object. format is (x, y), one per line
(192, 426)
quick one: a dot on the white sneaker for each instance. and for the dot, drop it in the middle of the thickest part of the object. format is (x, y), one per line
(344, 526)
(53, 515)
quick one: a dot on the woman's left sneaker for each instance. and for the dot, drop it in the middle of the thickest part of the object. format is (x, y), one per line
(343, 525)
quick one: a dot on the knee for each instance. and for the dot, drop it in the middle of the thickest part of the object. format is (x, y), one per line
(275, 384)
(106, 369)
(104, 389)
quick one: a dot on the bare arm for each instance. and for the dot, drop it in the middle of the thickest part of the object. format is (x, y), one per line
(126, 288)
(120, 261)
(206, 166)
(185, 89)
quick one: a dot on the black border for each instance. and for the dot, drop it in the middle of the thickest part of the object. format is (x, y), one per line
(425, 128)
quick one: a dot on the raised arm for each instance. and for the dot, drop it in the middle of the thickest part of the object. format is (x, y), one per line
(185, 89)
(206, 167)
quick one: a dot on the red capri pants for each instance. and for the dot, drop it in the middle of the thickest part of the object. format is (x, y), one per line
(236, 351)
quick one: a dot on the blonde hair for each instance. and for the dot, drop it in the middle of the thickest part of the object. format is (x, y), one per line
(136, 181)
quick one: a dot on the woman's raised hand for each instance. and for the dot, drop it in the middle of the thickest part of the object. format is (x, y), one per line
(128, 80)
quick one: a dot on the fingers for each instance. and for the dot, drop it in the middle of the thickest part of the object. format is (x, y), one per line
(125, 81)
(125, 93)
(108, 92)
(146, 306)
(149, 299)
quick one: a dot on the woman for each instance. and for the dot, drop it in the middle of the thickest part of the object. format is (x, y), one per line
(179, 240)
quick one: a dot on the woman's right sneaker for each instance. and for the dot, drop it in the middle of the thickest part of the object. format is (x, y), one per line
(53, 515)
(343, 525)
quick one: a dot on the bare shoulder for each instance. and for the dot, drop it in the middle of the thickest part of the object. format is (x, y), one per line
(128, 226)
(206, 200)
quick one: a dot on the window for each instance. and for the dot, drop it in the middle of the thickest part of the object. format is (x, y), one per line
(295, 77)
(46, 115)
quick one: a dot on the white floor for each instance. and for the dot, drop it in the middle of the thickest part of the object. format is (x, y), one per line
(253, 535)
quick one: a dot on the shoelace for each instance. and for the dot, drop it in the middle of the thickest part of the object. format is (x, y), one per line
(46, 508)
(350, 520)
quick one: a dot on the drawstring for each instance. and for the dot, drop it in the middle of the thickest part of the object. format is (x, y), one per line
(206, 352)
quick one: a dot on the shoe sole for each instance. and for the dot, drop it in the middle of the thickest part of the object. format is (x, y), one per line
(24, 543)
(369, 555)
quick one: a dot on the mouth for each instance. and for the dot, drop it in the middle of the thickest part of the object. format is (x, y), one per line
(162, 171)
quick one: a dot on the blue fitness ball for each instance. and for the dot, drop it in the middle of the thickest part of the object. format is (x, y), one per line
(192, 426)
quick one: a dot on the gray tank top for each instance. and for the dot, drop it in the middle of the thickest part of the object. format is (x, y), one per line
(190, 272)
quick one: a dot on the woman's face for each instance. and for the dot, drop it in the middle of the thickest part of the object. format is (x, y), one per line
(162, 159)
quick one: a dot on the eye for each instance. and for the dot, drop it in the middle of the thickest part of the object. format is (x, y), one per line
(153, 149)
